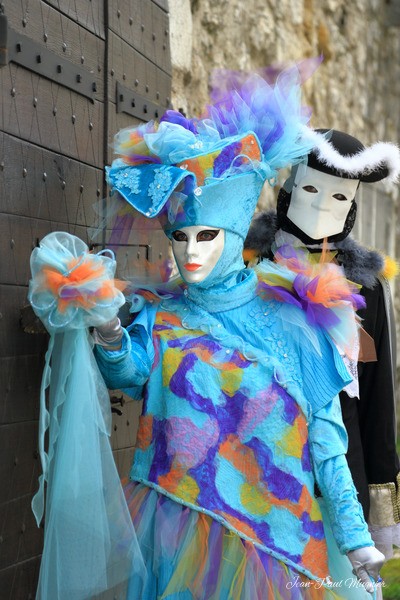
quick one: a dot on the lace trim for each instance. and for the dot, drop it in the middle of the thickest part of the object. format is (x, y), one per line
(160, 185)
(128, 178)
(352, 389)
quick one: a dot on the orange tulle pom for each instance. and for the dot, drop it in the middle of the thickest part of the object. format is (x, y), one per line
(81, 286)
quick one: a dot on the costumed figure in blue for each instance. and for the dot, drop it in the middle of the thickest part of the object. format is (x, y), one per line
(239, 370)
(318, 203)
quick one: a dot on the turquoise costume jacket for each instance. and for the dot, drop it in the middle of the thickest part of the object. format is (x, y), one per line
(241, 418)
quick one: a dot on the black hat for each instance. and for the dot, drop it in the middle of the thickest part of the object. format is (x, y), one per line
(343, 155)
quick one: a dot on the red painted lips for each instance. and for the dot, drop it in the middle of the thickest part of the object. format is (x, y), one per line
(192, 266)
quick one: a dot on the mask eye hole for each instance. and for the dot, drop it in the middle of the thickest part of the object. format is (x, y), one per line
(207, 235)
(311, 189)
(340, 197)
(179, 236)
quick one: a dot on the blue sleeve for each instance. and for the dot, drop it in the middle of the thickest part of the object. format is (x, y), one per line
(130, 366)
(328, 444)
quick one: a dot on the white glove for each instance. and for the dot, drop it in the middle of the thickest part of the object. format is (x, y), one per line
(109, 335)
(366, 563)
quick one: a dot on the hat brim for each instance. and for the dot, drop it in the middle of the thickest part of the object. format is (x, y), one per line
(147, 187)
(366, 164)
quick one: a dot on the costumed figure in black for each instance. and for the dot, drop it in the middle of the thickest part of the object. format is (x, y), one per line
(316, 209)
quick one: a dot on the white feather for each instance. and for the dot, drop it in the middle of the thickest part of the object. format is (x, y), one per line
(381, 154)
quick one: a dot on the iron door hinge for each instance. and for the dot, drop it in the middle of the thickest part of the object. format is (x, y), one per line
(135, 105)
(30, 54)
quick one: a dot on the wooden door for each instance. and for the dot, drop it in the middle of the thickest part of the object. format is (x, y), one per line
(77, 70)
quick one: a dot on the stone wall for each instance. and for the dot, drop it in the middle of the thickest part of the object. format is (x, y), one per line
(356, 88)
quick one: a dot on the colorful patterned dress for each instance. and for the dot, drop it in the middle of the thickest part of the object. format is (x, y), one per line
(240, 420)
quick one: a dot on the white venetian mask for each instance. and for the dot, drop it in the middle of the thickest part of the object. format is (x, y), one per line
(197, 250)
(320, 202)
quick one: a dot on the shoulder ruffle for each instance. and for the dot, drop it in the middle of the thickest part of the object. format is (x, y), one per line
(319, 288)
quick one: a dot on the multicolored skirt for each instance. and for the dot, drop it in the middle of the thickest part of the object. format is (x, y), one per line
(190, 556)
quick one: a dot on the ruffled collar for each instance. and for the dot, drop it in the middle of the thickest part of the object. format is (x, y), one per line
(223, 297)
(360, 263)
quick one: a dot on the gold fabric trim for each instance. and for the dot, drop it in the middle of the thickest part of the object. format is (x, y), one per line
(384, 503)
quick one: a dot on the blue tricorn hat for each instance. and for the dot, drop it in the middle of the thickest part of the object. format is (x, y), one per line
(217, 188)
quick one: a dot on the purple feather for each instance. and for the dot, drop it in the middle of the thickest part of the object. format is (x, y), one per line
(144, 158)
(174, 116)
(279, 293)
